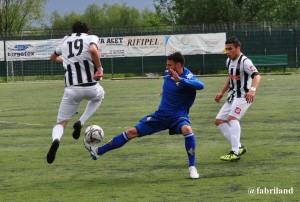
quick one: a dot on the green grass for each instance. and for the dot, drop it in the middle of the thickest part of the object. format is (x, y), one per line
(152, 168)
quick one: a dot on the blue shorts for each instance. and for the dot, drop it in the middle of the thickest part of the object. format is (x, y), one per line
(155, 122)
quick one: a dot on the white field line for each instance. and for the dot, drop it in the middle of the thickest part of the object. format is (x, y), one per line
(13, 109)
(27, 124)
(51, 125)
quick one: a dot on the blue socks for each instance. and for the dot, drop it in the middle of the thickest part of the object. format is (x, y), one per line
(120, 140)
(116, 142)
(190, 146)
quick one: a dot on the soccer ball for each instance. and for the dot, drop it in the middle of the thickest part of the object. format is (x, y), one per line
(94, 134)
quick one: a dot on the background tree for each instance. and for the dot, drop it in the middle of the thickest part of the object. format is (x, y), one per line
(213, 11)
(107, 16)
(150, 18)
(15, 15)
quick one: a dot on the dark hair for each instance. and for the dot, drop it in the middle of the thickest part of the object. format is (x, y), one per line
(176, 57)
(80, 27)
(233, 40)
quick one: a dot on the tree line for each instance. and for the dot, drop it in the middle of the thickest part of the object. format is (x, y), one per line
(18, 15)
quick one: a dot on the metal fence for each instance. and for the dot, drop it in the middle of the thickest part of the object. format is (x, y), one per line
(257, 38)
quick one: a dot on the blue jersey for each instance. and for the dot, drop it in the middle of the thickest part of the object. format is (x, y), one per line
(178, 97)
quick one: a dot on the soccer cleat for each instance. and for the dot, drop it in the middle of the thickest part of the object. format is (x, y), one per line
(193, 172)
(77, 128)
(230, 157)
(242, 150)
(52, 151)
(91, 149)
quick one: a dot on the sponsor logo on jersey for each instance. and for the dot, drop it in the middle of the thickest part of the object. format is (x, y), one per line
(234, 77)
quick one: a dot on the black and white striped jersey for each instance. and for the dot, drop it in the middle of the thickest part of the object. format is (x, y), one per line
(240, 73)
(77, 60)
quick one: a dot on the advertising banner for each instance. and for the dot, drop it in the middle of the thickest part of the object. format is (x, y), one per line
(193, 44)
(136, 46)
(111, 47)
(30, 49)
(2, 51)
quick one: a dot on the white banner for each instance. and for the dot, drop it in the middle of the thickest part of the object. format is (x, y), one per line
(192, 44)
(136, 46)
(30, 49)
(2, 51)
(111, 47)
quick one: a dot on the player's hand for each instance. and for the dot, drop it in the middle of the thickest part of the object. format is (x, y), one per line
(218, 97)
(98, 75)
(175, 76)
(250, 96)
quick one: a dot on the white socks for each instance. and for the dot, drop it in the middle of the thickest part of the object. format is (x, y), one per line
(90, 109)
(232, 132)
(235, 135)
(57, 132)
(226, 131)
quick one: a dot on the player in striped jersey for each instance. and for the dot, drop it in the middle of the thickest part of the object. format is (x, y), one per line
(242, 81)
(79, 54)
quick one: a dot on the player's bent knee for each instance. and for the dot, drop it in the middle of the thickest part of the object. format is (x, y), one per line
(132, 133)
(185, 129)
(63, 123)
(219, 121)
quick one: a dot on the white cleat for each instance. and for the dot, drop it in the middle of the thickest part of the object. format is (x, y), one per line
(193, 172)
(91, 149)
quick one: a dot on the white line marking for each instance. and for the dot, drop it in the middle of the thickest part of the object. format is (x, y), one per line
(13, 109)
(27, 124)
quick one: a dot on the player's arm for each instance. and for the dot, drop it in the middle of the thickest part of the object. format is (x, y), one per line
(193, 82)
(96, 59)
(255, 83)
(220, 94)
(250, 69)
(55, 57)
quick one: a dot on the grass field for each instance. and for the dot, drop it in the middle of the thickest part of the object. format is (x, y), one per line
(152, 168)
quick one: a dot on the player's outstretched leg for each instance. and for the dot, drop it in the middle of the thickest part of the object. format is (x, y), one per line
(52, 151)
(116, 142)
(77, 129)
(92, 149)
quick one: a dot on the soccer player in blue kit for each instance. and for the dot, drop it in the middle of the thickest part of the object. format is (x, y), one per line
(178, 95)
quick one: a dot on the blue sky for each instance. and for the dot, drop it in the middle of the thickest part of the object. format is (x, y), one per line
(66, 6)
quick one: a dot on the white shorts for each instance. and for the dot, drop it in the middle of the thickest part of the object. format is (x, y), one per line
(72, 97)
(237, 108)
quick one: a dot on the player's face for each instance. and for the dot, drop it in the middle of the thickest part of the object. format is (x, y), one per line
(232, 52)
(172, 65)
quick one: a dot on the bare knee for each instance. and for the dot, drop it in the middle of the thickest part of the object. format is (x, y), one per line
(219, 121)
(186, 129)
(132, 133)
(63, 123)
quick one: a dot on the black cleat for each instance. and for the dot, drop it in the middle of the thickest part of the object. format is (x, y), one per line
(77, 128)
(52, 151)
